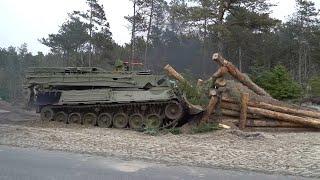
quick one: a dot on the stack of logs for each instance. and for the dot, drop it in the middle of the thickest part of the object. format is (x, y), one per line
(253, 108)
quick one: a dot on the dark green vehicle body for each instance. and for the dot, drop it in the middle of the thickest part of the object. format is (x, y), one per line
(98, 97)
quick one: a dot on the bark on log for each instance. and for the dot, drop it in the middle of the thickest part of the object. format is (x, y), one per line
(266, 123)
(282, 109)
(200, 83)
(173, 73)
(220, 82)
(231, 106)
(238, 75)
(243, 110)
(233, 113)
(220, 72)
(270, 123)
(307, 121)
(210, 109)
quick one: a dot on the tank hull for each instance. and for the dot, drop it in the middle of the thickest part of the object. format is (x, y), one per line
(105, 99)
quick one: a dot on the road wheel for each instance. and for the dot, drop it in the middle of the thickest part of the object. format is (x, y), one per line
(104, 120)
(74, 118)
(120, 120)
(89, 119)
(136, 121)
(61, 117)
(153, 121)
(173, 110)
(46, 114)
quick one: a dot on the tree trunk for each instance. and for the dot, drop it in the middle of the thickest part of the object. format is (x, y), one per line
(243, 110)
(245, 80)
(204, 48)
(133, 33)
(307, 121)
(148, 34)
(234, 113)
(221, 13)
(270, 123)
(278, 108)
(311, 122)
(299, 65)
(210, 109)
(267, 123)
(173, 73)
(220, 72)
(240, 59)
(90, 33)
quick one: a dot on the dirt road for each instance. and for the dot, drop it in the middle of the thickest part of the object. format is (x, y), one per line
(280, 153)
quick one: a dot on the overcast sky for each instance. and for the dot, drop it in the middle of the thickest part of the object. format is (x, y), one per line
(25, 21)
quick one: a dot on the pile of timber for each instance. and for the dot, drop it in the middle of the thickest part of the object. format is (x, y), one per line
(241, 98)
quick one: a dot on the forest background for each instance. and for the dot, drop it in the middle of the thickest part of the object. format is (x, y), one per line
(282, 57)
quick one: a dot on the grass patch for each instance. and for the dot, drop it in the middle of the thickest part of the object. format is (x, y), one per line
(156, 132)
(151, 131)
(174, 131)
(204, 128)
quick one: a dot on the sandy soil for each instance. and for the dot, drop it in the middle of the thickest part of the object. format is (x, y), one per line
(270, 152)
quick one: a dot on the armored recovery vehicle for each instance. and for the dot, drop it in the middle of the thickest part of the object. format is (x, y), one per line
(106, 99)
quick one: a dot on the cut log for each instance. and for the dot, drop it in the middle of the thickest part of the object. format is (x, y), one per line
(200, 83)
(220, 82)
(210, 109)
(171, 72)
(278, 108)
(230, 106)
(233, 113)
(265, 123)
(307, 121)
(245, 80)
(311, 122)
(224, 126)
(270, 123)
(228, 112)
(220, 72)
(243, 110)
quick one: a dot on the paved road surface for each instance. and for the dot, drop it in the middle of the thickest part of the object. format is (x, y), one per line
(32, 164)
(3, 111)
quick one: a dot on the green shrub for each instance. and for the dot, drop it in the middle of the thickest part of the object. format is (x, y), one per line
(279, 84)
(314, 84)
(194, 95)
(175, 131)
(191, 92)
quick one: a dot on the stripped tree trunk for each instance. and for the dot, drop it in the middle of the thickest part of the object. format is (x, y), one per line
(173, 73)
(239, 76)
(307, 121)
(243, 110)
(210, 109)
(282, 109)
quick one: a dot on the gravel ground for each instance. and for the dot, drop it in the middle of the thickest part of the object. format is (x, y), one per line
(281, 153)
(270, 152)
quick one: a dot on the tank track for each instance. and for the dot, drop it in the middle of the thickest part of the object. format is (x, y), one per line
(134, 115)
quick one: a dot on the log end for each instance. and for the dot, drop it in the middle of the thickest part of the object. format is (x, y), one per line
(212, 92)
(167, 66)
(220, 82)
(215, 56)
(200, 83)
